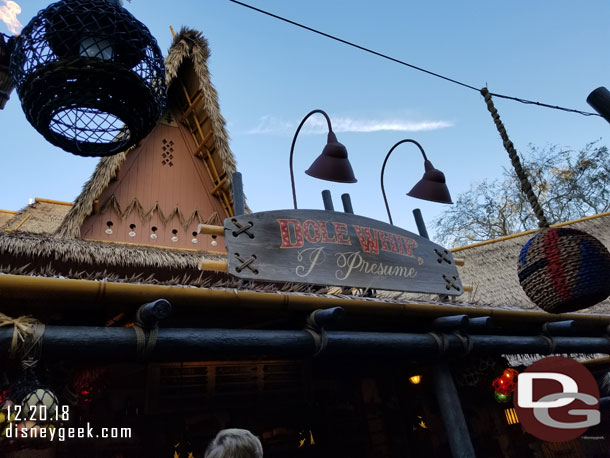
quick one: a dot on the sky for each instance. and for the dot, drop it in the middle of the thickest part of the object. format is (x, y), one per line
(270, 74)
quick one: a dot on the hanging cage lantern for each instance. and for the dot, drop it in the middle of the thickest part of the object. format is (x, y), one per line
(560, 269)
(6, 85)
(90, 76)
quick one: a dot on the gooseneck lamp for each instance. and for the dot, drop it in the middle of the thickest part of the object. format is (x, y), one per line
(431, 187)
(599, 99)
(331, 165)
(90, 76)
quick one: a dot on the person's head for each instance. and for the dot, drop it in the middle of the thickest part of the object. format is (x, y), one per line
(235, 443)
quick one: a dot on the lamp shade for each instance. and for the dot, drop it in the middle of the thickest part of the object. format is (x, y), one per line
(432, 186)
(600, 100)
(332, 164)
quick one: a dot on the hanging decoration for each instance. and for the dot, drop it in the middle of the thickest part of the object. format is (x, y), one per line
(90, 76)
(502, 398)
(86, 385)
(29, 408)
(505, 385)
(560, 269)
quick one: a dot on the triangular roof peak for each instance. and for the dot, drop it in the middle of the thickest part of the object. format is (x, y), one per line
(175, 178)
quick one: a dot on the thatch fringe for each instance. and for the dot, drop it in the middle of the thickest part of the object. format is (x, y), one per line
(529, 359)
(188, 44)
(73, 251)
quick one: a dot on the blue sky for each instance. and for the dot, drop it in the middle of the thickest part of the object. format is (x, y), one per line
(269, 75)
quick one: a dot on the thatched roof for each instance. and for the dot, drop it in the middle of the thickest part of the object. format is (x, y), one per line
(491, 267)
(41, 217)
(5, 216)
(42, 254)
(189, 45)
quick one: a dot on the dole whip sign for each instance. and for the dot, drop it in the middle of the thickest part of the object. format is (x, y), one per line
(336, 249)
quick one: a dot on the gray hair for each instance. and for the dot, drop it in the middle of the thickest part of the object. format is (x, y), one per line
(235, 443)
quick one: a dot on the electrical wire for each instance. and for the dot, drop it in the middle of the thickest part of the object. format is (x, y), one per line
(398, 61)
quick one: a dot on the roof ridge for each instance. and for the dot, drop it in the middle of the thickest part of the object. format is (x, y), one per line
(531, 231)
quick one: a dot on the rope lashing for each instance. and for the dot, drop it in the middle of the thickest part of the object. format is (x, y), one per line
(526, 186)
(441, 341)
(146, 338)
(27, 338)
(320, 337)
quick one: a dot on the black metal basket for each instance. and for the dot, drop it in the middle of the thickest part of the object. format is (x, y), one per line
(90, 76)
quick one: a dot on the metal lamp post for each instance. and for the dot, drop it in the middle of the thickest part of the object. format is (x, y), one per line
(331, 165)
(432, 185)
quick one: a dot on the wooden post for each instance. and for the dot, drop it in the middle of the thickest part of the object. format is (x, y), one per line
(451, 412)
(421, 226)
(347, 203)
(328, 200)
(194, 344)
(446, 393)
(239, 204)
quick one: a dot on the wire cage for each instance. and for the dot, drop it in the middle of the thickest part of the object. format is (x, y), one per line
(90, 76)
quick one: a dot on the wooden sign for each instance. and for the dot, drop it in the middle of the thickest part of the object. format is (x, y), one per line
(336, 249)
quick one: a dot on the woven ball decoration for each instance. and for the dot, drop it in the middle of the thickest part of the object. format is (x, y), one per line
(90, 76)
(40, 405)
(564, 270)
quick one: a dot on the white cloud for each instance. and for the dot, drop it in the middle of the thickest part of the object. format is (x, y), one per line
(272, 125)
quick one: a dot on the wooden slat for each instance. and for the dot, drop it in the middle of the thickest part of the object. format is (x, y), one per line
(219, 185)
(207, 157)
(192, 106)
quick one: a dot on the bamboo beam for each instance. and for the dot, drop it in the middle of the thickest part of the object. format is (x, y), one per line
(21, 223)
(210, 229)
(90, 295)
(211, 265)
(55, 202)
(199, 151)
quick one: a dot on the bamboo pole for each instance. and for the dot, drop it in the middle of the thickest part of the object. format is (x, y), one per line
(89, 295)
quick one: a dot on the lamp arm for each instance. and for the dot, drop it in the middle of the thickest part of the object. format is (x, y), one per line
(385, 200)
(330, 129)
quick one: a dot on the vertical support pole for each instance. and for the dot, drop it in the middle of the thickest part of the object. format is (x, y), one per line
(347, 203)
(446, 392)
(451, 412)
(328, 200)
(239, 204)
(421, 226)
